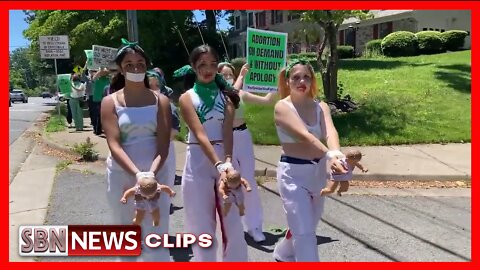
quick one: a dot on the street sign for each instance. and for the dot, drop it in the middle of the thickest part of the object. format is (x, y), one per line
(54, 47)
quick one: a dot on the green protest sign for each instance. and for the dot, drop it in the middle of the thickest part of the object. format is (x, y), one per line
(266, 55)
(64, 84)
(89, 54)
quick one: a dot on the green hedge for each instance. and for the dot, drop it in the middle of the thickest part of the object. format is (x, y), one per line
(430, 42)
(345, 51)
(454, 39)
(374, 46)
(400, 43)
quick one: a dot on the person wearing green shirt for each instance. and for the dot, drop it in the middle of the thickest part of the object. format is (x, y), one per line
(100, 80)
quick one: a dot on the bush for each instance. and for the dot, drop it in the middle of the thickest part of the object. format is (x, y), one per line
(345, 52)
(400, 43)
(453, 40)
(307, 55)
(293, 56)
(373, 48)
(86, 150)
(429, 42)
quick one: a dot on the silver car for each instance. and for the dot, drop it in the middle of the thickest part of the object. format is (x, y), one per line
(18, 95)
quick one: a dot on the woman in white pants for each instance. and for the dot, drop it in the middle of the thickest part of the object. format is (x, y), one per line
(208, 109)
(305, 129)
(243, 155)
(137, 125)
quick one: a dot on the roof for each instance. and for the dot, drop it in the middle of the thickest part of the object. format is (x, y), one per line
(378, 14)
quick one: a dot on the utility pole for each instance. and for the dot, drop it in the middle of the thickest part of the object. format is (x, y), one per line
(132, 25)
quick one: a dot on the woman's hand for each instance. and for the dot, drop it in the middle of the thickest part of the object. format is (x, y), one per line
(244, 70)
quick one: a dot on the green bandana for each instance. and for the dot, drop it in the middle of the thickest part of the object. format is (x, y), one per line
(293, 63)
(207, 93)
(187, 69)
(127, 44)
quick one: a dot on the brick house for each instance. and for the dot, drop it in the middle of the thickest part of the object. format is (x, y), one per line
(357, 33)
(352, 31)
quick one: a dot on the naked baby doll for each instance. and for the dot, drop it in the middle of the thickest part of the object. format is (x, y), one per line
(146, 193)
(231, 190)
(351, 161)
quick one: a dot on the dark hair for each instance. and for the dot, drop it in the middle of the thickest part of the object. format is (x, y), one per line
(189, 79)
(119, 79)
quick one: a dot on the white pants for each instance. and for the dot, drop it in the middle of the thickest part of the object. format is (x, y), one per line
(300, 186)
(202, 203)
(244, 162)
(118, 180)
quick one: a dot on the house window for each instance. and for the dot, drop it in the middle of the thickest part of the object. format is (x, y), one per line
(292, 17)
(442, 30)
(261, 19)
(341, 36)
(278, 16)
(234, 50)
(237, 23)
(436, 29)
(250, 19)
(384, 29)
(424, 29)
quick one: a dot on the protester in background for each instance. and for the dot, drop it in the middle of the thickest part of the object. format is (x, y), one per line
(100, 80)
(78, 91)
(87, 78)
(243, 150)
(207, 108)
(137, 126)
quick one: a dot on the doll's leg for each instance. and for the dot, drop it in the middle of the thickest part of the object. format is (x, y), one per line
(343, 187)
(156, 216)
(139, 215)
(226, 208)
(241, 208)
(330, 188)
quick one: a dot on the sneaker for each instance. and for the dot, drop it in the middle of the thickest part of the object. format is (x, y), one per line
(257, 235)
(279, 257)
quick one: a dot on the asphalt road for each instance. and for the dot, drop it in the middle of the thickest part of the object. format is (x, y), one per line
(22, 115)
(355, 228)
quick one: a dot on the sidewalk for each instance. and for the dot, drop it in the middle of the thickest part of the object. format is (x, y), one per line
(404, 162)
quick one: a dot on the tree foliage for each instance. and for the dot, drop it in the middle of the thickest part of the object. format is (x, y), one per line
(162, 34)
(329, 21)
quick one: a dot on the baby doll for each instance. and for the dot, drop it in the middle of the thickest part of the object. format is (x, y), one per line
(146, 193)
(351, 161)
(232, 192)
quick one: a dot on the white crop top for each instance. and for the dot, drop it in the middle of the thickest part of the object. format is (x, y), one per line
(212, 121)
(316, 129)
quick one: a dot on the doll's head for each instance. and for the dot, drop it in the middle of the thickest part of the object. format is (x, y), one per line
(354, 156)
(233, 179)
(147, 186)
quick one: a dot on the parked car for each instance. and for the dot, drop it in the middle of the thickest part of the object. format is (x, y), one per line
(9, 102)
(47, 95)
(18, 95)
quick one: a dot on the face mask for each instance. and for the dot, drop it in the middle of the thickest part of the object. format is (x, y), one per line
(230, 81)
(135, 77)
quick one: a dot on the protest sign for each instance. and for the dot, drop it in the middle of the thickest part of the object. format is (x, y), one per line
(266, 55)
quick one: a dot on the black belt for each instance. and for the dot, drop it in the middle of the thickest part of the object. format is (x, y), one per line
(241, 127)
(293, 160)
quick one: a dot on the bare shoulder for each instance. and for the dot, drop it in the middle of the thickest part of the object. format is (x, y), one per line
(324, 106)
(281, 105)
(184, 99)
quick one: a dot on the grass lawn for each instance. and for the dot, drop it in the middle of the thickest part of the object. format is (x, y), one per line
(405, 100)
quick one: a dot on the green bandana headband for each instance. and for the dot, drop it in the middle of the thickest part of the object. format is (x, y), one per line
(181, 72)
(127, 44)
(293, 63)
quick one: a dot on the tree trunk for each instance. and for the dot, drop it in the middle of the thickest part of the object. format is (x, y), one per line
(323, 71)
(332, 63)
(211, 21)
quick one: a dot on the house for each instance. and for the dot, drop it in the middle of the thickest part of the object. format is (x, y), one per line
(357, 33)
(352, 31)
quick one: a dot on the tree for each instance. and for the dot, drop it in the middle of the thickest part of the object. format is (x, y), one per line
(329, 21)
(20, 70)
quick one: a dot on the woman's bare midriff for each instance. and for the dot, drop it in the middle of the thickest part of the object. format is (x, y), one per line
(238, 122)
(300, 150)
